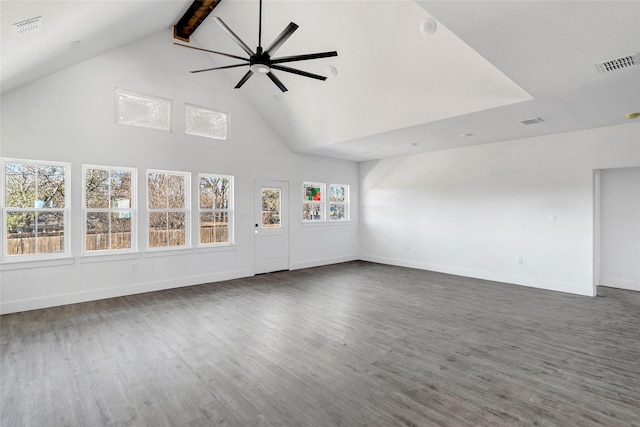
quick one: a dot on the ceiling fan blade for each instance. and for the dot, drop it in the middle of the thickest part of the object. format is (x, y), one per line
(299, 72)
(233, 35)
(244, 79)
(303, 57)
(212, 51)
(277, 82)
(220, 68)
(284, 35)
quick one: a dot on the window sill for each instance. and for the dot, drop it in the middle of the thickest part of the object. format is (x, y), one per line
(325, 223)
(105, 257)
(152, 253)
(216, 248)
(23, 264)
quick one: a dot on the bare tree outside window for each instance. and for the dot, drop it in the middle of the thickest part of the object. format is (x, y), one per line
(109, 208)
(167, 201)
(35, 207)
(271, 207)
(215, 204)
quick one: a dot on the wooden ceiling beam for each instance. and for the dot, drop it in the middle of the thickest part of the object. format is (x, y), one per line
(192, 18)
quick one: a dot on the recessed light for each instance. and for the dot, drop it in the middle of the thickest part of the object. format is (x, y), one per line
(413, 144)
(532, 121)
(428, 26)
(468, 134)
(74, 44)
(632, 116)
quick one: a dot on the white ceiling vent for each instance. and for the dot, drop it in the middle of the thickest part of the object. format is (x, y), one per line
(28, 27)
(619, 63)
(532, 121)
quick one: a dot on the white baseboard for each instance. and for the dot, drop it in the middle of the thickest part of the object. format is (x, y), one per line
(325, 261)
(630, 285)
(98, 294)
(533, 282)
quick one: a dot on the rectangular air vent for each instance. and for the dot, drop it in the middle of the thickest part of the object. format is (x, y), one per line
(619, 63)
(531, 121)
(28, 27)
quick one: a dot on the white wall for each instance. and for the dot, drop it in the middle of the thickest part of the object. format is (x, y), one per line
(69, 117)
(620, 228)
(475, 211)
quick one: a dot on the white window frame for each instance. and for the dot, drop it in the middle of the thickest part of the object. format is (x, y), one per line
(111, 210)
(229, 211)
(346, 204)
(66, 211)
(186, 210)
(321, 204)
(208, 110)
(121, 121)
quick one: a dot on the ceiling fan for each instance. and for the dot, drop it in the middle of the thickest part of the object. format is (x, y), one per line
(261, 60)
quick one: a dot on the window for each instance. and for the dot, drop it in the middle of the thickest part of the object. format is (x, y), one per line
(271, 207)
(338, 202)
(135, 109)
(109, 209)
(208, 123)
(168, 204)
(36, 208)
(312, 202)
(216, 209)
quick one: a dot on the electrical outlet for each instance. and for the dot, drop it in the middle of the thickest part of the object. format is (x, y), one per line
(553, 218)
(134, 267)
(520, 260)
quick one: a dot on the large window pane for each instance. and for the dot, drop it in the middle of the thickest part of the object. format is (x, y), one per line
(97, 188)
(336, 193)
(97, 231)
(21, 236)
(336, 212)
(120, 189)
(50, 232)
(176, 225)
(158, 229)
(176, 192)
(157, 190)
(20, 185)
(121, 230)
(50, 187)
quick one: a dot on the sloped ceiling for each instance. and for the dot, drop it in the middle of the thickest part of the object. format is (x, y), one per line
(488, 66)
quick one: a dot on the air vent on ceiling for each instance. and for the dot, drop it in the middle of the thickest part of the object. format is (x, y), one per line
(532, 121)
(28, 27)
(619, 63)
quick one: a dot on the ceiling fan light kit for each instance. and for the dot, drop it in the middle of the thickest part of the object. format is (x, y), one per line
(261, 61)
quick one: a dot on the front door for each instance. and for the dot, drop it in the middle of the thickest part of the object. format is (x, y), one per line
(271, 244)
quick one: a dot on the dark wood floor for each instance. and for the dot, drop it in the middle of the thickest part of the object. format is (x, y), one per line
(351, 344)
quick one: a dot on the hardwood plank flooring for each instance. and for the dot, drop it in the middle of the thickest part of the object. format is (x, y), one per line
(344, 345)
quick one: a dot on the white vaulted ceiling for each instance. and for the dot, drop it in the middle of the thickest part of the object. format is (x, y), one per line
(488, 66)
